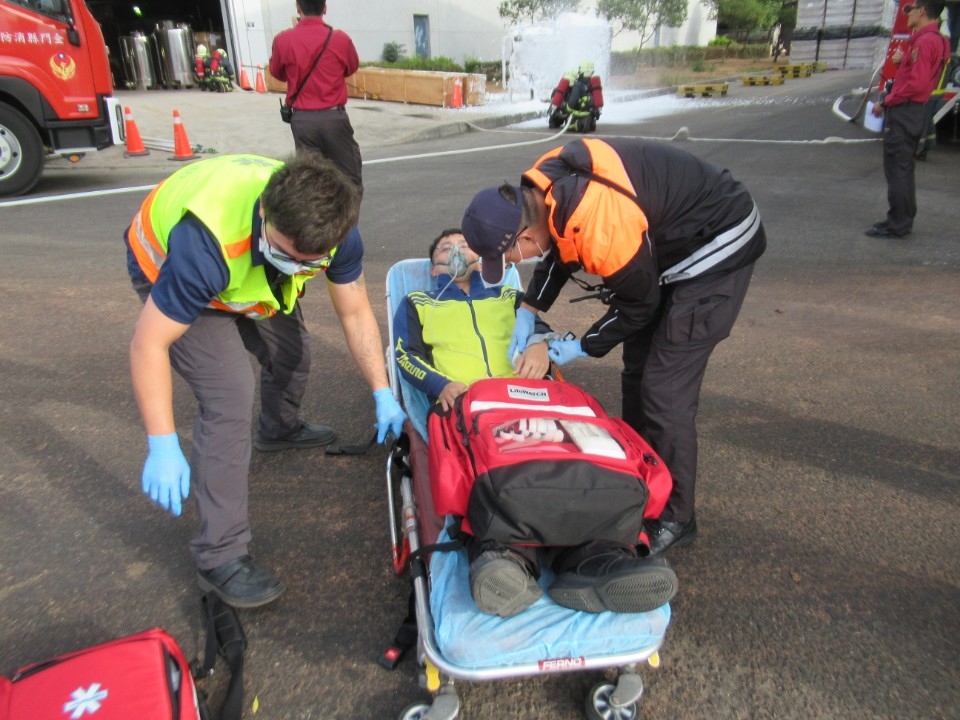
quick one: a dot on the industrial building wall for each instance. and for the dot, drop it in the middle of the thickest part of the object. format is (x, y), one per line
(458, 29)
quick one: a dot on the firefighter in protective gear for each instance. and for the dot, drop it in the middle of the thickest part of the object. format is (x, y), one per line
(674, 239)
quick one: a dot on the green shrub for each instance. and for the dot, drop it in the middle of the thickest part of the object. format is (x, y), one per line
(437, 64)
(393, 51)
(493, 69)
(679, 56)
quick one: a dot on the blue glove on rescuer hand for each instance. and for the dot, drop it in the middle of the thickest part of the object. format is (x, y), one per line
(390, 415)
(563, 351)
(522, 330)
(166, 473)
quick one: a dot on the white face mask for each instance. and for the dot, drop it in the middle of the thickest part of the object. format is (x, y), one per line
(286, 265)
(532, 258)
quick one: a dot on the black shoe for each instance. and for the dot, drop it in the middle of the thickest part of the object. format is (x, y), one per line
(616, 580)
(921, 156)
(665, 534)
(241, 583)
(501, 583)
(884, 231)
(308, 436)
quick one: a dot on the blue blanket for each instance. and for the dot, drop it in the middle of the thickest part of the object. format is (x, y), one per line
(544, 631)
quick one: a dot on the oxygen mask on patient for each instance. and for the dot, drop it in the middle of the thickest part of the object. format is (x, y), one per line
(458, 267)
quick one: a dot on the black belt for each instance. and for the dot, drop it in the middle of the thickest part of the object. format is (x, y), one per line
(338, 108)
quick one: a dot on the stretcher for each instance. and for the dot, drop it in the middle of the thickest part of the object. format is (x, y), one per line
(456, 642)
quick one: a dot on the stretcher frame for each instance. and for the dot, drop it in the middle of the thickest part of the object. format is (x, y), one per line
(438, 673)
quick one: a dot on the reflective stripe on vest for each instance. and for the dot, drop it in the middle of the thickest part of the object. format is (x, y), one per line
(720, 248)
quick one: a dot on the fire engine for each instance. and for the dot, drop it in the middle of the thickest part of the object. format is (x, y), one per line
(56, 90)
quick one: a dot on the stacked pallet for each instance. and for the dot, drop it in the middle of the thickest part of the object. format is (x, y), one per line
(842, 34)
(763, 79)
(703, 90)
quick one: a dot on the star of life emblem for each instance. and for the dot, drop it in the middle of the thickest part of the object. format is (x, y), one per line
(84, 701)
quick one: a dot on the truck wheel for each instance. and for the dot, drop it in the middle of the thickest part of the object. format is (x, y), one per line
(21, 153)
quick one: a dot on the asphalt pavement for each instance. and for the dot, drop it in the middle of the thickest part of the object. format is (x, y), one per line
(824, 580)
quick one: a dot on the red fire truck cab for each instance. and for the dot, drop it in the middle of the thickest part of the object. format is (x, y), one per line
(56, 91)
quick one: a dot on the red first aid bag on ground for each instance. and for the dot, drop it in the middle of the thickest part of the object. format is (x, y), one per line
(141, 677)
(539, 462)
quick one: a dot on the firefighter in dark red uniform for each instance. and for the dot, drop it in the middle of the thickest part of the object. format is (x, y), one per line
(917, 75)
(674, 239)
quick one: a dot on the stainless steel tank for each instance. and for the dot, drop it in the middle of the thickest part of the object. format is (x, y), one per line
(175, 51)
(137, 55)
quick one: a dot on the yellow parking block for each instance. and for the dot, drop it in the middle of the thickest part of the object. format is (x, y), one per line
(706, 90)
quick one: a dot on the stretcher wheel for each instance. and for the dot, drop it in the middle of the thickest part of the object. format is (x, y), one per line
(414, 712)
(601, 707)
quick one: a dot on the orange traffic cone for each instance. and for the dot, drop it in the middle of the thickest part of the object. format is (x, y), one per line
(457, 99)
(182, 150)
(261, 86)
(244, 80)
(135, 144)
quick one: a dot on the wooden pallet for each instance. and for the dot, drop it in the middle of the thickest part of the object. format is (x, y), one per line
(798, 70)
(707, 90)
(763, 79)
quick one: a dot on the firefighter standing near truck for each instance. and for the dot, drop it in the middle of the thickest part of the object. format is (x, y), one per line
(918, 71)
(674, 239)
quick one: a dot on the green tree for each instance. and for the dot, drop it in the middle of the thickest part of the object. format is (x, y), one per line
(743, 17)
(643, 16)
(534, 10)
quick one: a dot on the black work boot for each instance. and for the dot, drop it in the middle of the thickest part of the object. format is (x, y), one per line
(242, 583)
(616, 580)
(308, 436)
(665, 534)
(501, 583)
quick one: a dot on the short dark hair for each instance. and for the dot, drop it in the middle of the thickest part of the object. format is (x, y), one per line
(312, 8)
(932, 8)
(436, 241)
(311, 202)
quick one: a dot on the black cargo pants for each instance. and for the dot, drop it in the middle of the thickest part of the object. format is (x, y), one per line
(663, 368)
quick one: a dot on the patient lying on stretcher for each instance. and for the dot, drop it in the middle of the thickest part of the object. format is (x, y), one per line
(460, 332)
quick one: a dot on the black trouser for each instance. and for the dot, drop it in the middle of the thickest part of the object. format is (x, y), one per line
(663, 368)
(902, 128)
(330, 133)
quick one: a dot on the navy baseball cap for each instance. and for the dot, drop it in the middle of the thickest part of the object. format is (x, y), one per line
(490, 226)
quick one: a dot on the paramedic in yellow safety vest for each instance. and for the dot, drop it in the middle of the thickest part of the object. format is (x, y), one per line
(674, 239)
(219, 254)
(444, 336)
(458, 333)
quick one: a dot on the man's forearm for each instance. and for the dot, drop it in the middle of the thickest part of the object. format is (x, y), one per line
(152, 387)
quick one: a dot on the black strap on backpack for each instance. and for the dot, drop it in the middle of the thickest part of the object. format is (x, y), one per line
(225, 637)
(303, 80)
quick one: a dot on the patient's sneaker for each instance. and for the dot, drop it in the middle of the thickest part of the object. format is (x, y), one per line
(501, 583)
(616, 580)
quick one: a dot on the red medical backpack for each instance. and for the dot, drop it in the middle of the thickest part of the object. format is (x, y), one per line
(539, 462)
(140, 677)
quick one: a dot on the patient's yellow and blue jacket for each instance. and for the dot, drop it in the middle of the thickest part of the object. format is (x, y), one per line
(446, 335)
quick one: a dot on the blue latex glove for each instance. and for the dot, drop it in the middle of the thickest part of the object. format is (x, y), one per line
(522, 330)
(390, 415)
(166, 473)
(563, 351)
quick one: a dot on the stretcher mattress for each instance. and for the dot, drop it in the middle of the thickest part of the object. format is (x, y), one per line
(544, 631)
